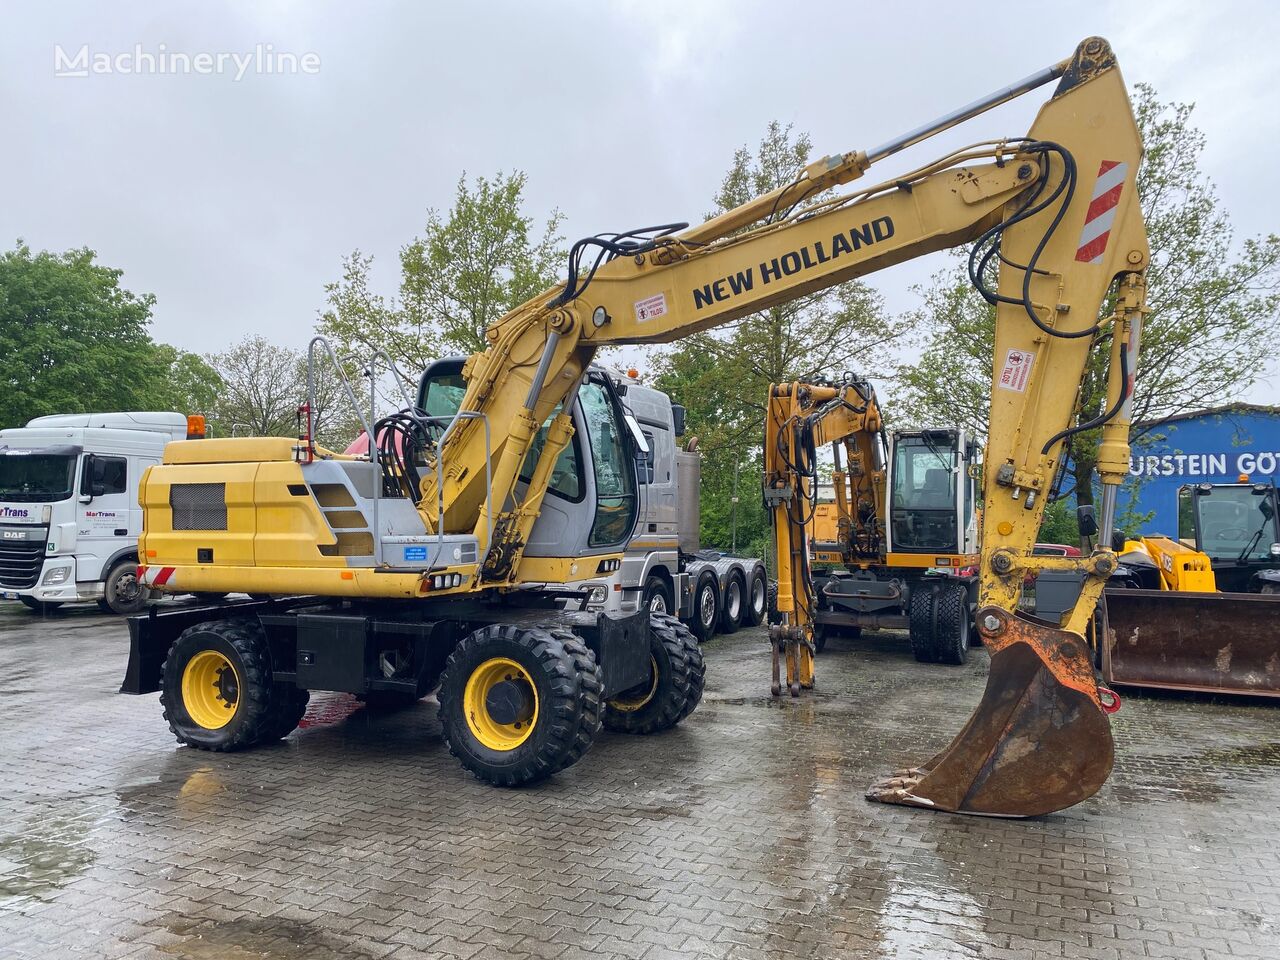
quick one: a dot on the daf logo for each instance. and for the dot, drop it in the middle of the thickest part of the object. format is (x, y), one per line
(14, 535)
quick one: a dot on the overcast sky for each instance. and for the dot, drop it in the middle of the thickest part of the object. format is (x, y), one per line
(233, 201)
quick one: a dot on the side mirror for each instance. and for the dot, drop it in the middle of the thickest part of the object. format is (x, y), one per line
(678, 417)
(1087, 519)
(637, 436)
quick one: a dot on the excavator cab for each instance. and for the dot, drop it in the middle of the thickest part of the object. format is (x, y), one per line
(932, 493)
(590, 506)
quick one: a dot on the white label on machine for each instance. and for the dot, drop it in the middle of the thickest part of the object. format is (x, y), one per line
(1017, 370)
(651, 307)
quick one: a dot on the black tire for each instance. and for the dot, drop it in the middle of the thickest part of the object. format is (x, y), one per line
(774, 616)
(565, 681)
(656, 591)
(288, 705)
(706, 607)
(590, 697)
(820, 633)
(735, 603)
(757, 598)
(41, 607)
(675, 686)
(951, 640)
(123, 593)
(921, 610)
(243, 645)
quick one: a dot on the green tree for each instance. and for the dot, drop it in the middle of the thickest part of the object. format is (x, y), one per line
(723, 376)
(187, 383)
(261, 385)
(469, 267)
(72, 340)
(1213, 306)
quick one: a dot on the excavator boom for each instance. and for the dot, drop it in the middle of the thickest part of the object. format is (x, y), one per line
(1054, 220)
(1056, 227)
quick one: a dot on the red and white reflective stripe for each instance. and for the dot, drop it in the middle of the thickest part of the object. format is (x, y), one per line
(1102, 211)
(156, 576)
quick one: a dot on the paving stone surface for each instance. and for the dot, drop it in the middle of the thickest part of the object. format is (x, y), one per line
(741, 834)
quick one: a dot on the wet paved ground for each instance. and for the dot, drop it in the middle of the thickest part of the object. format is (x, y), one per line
(741, 834)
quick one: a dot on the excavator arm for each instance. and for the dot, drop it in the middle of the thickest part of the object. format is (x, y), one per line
(802, 418)
(1056, 228)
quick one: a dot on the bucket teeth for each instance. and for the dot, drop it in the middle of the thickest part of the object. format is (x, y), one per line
(1038, 742)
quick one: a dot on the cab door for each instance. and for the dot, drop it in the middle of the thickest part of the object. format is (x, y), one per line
(105, 515)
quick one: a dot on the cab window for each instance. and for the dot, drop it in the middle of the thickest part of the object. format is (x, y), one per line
(442, 396)
(566, 475)
(614, 470)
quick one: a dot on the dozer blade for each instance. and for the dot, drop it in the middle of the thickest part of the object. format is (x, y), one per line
(1039, 741)
(1214, 642)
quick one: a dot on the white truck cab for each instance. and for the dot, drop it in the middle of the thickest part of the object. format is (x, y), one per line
(664, 568)
(69, 513)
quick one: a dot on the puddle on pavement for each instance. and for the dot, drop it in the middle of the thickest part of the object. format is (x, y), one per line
(260, 938)
(1205, 777)
(913, 912)
(42, 856)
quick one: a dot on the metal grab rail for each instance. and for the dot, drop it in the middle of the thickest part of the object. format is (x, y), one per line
(488, 474)
(446, 424)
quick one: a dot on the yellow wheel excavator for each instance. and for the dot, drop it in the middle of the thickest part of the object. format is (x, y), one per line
(439, 559)
(897, 548)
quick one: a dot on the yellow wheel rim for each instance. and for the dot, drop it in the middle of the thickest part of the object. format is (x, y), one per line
(632, 704)
(475, 704)
(210, 689)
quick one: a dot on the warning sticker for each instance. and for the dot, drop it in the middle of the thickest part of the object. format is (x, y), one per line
(1017, 370)
(651, 307)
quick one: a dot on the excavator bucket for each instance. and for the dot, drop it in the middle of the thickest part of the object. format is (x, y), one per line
(1039, 741)
(1174, 640)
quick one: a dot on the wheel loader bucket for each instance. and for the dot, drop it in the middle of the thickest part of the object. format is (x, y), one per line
(1039, 741)
(1214, 642)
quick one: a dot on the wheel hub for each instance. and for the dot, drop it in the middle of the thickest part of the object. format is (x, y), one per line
(510, 701)
(210, 689)
(500, 704)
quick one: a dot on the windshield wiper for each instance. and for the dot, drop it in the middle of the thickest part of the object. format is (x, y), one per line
(1248, 548)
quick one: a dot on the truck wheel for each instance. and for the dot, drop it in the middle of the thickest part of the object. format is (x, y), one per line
(706, 607)
(920, 609)
(216, 687)
(757, 599)
(519, 703)
(951, 641)
(820, 633)
(656, 597)
(123, 593)
(674, 687)
(735, 596)
(40, 606)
